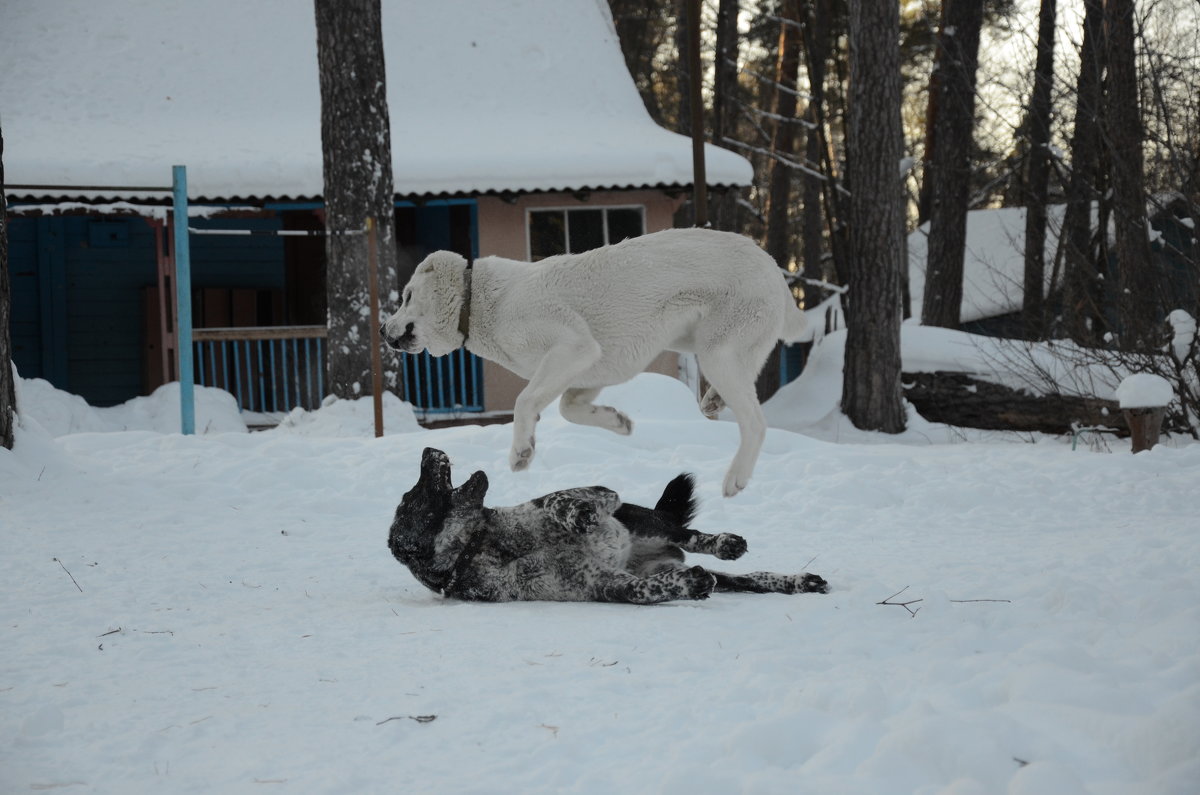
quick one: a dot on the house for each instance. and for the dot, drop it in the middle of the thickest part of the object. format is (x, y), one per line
(516, 130)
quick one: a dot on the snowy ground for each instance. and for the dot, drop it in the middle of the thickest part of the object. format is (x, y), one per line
(220, 613)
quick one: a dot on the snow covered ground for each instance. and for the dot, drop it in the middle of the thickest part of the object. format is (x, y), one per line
(220, 613)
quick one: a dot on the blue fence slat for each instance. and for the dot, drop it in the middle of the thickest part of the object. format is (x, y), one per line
(321, 370)
(262, 375)
(281, 374)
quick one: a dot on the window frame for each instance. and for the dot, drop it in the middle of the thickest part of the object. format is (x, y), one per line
(564, 209)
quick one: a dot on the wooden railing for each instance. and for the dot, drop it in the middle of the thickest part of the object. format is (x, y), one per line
(277, 368)
(267, 369)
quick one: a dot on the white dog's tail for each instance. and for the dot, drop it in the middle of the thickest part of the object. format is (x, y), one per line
(795, 324)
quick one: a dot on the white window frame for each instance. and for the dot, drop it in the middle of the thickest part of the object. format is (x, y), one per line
(529, 211)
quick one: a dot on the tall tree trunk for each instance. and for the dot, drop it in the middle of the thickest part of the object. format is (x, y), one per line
(1123, 132)
(817, 51)
(1081, 311)
(8, 400)
(951, 166)
(686, 214)
(1033, 306)
(871, 395)
(356, 142)
(783, 143)
(787, 68)
(932, 106)
(724, 214)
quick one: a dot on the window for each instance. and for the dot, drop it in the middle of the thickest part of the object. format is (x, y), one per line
(572, 231)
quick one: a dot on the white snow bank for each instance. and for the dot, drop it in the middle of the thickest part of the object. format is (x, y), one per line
(61, 413)
(1183, 327)
(1144, 390)
(350, 418)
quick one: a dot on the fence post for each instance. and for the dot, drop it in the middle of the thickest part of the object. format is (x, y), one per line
(376, 359)
(183, 302)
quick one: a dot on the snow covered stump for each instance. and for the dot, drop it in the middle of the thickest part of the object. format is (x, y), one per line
(1143, 398)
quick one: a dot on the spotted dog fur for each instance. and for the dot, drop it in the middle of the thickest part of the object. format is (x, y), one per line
(575, 545)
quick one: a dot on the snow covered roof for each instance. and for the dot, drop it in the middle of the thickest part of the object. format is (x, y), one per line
(484, 96)
(994, 264)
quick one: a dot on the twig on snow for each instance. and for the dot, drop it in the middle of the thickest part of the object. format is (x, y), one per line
(417, 718)
(912, 613)
(69, 574)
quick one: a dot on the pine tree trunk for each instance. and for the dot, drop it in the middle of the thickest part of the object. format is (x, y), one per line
(1081, 314)
(817, 47)
(951, 166)
(871, 395)
(356, 141)
(8, 402)
(787, 67)
(1123, 132)
(932, 107)
(686, 214)
(724, 214)
(1033, 306)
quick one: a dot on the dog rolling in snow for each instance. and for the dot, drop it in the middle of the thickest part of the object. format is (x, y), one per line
(576, 323)
(577, 545)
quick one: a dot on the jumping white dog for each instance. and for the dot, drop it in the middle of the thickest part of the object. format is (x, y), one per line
(576, 323)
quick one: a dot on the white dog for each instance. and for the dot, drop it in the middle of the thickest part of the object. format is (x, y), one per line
(576, 323)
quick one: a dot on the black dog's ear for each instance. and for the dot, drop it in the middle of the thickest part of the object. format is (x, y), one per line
(472, 492)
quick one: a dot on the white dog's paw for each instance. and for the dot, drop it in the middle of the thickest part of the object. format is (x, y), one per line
(711, 404)
(620, 422)
(519, 457)
(734, 483)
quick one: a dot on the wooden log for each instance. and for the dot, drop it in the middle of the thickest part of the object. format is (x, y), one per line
(967, 401)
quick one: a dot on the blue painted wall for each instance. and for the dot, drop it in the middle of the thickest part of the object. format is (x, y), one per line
(78, 291)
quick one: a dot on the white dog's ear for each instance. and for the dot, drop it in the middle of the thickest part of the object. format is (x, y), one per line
(443, 288)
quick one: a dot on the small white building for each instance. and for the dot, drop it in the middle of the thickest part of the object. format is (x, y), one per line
(516, 130)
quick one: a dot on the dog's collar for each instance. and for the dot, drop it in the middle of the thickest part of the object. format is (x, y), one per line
(464, 313)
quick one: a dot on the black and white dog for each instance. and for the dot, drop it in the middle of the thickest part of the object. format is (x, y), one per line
(573, 546)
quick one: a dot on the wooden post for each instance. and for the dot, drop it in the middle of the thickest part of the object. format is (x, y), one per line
(1145, 425)
(376, 360)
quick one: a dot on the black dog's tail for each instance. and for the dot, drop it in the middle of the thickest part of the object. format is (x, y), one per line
(679, 501)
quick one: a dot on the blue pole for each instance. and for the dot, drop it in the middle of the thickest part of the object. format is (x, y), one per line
(183, 303)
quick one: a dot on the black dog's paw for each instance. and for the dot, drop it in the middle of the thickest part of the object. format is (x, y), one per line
(729, 546)
(811, 583)
(697, 583)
